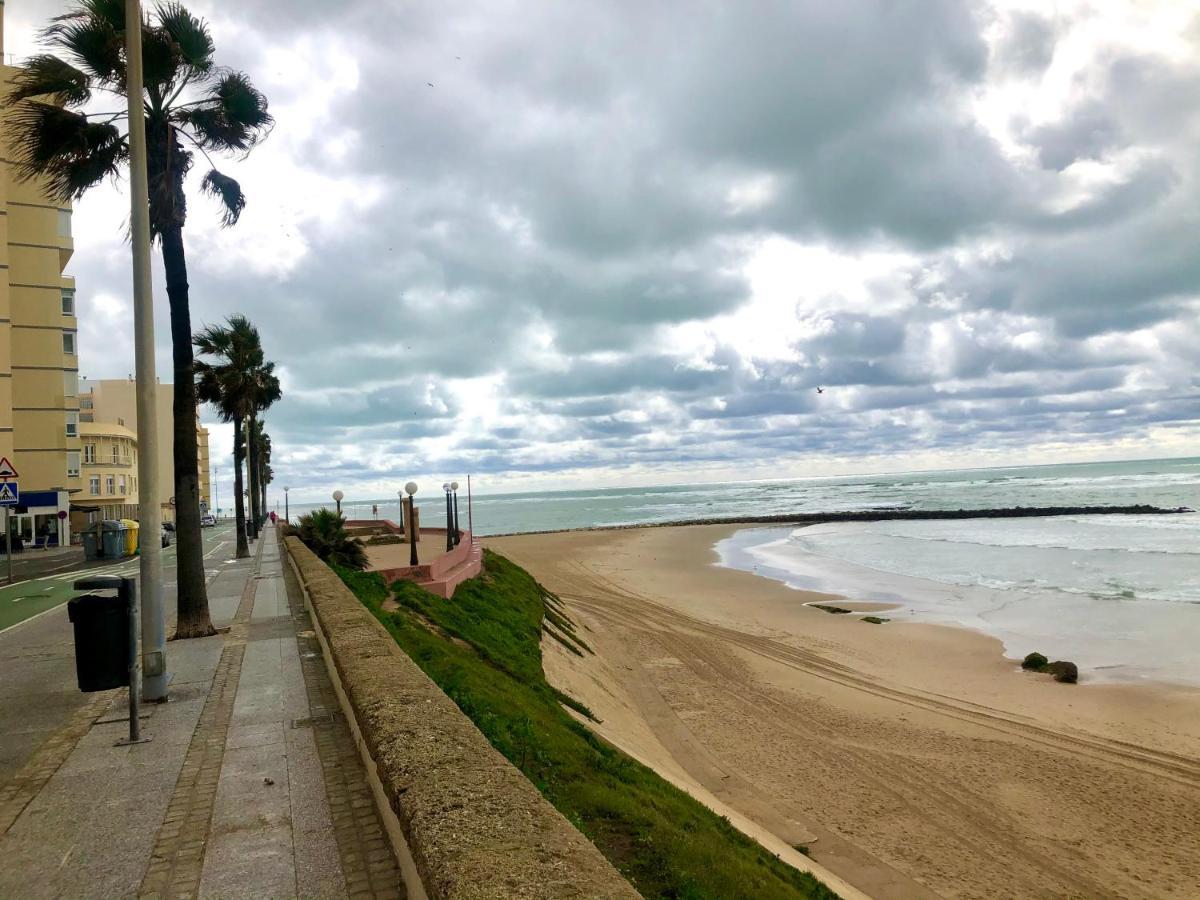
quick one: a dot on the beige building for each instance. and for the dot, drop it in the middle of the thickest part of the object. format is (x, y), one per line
(110, 482)
(39, 362)
(115, 401)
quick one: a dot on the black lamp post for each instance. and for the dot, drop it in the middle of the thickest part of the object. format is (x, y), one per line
(411, 488)
(337, 498)
(457, 530)
(286, 511)
(449, 518)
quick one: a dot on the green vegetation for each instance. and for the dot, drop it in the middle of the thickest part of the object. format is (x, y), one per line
(825, 607)
(323, 531)
(483, 649)
(875, 620)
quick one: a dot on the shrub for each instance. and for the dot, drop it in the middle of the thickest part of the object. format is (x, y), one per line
(875, 620)
(323, 531)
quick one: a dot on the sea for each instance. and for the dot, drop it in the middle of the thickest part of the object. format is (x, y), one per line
(1118, 595)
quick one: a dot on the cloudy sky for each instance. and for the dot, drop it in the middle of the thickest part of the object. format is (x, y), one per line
(574, 244)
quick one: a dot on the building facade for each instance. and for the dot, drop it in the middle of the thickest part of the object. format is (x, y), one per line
(39, 361)
(110, 481)
(114, 400)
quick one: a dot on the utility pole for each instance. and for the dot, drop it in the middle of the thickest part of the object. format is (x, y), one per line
(153, 669)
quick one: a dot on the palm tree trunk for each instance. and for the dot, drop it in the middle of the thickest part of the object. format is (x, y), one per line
(239, 505)
(193, 618)
(252, 473)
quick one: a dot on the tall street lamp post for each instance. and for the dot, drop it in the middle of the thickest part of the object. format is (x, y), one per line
(337, 498)
(411, 489)
(457, 530)
(149, 675)
(286, 512)
(449, 518)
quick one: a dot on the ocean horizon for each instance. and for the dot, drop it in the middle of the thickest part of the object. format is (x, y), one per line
(1166, 483)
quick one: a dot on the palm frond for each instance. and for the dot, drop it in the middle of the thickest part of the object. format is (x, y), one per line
(63, 149)
(53, 78)
(190, 34)
(93, 36)
(229, 192)
(162, 65)
(233, 116)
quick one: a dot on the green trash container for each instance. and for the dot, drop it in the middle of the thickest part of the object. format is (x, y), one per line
(112, 539)
(91, 543)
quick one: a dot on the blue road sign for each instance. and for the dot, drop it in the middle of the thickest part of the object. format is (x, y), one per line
(10, 494)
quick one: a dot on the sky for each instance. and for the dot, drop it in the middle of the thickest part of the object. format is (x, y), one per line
(607, 243)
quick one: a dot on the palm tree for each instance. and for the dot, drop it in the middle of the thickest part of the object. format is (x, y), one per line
(190, 104)
(264, 466)
(235, 382)
(268, 393)
(323, 531)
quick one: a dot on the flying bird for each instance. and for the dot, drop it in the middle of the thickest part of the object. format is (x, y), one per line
(430, 83)
(820, 390)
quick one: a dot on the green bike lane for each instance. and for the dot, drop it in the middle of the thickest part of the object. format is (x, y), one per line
(32, 597)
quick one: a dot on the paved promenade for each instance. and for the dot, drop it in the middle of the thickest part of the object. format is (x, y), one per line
(249, 787)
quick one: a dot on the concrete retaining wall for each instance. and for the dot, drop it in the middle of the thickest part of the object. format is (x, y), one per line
(472, 825)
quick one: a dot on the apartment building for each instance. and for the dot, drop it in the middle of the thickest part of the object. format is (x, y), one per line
(110, 481)
(114, 401)
(39, 368)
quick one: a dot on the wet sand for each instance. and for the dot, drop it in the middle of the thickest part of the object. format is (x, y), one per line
(911, 760)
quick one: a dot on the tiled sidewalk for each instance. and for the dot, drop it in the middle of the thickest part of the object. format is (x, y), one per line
(250, 786)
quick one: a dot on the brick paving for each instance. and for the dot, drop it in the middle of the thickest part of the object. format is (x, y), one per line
(177, 860)
(368, 863)
(251, 784)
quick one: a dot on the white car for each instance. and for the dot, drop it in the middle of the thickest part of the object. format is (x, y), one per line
(207, 521)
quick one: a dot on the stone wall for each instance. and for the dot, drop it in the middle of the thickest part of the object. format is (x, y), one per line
(469, 822)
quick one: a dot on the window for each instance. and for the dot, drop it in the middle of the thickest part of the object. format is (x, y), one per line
(89, 454)
(70, 383)
(68, 302)
(94, 485)
(116, 453)
(73, 464)
(110, 484)
(72, 424)
(64, 223)
(69, 342)
(123, 490)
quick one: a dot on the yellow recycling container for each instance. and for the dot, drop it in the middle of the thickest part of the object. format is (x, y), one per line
(131, 536)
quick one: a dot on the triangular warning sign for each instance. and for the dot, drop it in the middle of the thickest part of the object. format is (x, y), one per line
(6, 468)
(8, 493)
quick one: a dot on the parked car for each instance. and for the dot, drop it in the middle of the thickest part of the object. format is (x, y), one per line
(169, 526)
(207, 520)
(166, 534)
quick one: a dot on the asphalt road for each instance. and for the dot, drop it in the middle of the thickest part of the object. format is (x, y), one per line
(38, 690)
(33, 596)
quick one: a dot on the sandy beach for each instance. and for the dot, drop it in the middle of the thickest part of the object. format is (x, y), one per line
(911, 760)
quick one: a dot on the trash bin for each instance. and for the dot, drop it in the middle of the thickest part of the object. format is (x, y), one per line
(112, 539)
(101, 625)
(91, 543)
(131, 536)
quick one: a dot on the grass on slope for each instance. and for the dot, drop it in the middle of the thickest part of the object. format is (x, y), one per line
(483, 649)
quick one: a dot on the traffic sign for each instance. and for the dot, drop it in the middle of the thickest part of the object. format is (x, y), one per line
(10, 494)
(6, 469)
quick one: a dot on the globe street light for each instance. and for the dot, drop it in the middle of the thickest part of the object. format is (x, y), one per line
(337, 498)
(449, 517)
(411, 489)
(457, 531)
(286, 511)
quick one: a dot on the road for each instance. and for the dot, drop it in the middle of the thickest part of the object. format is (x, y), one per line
(38, 692)
(33, 596)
